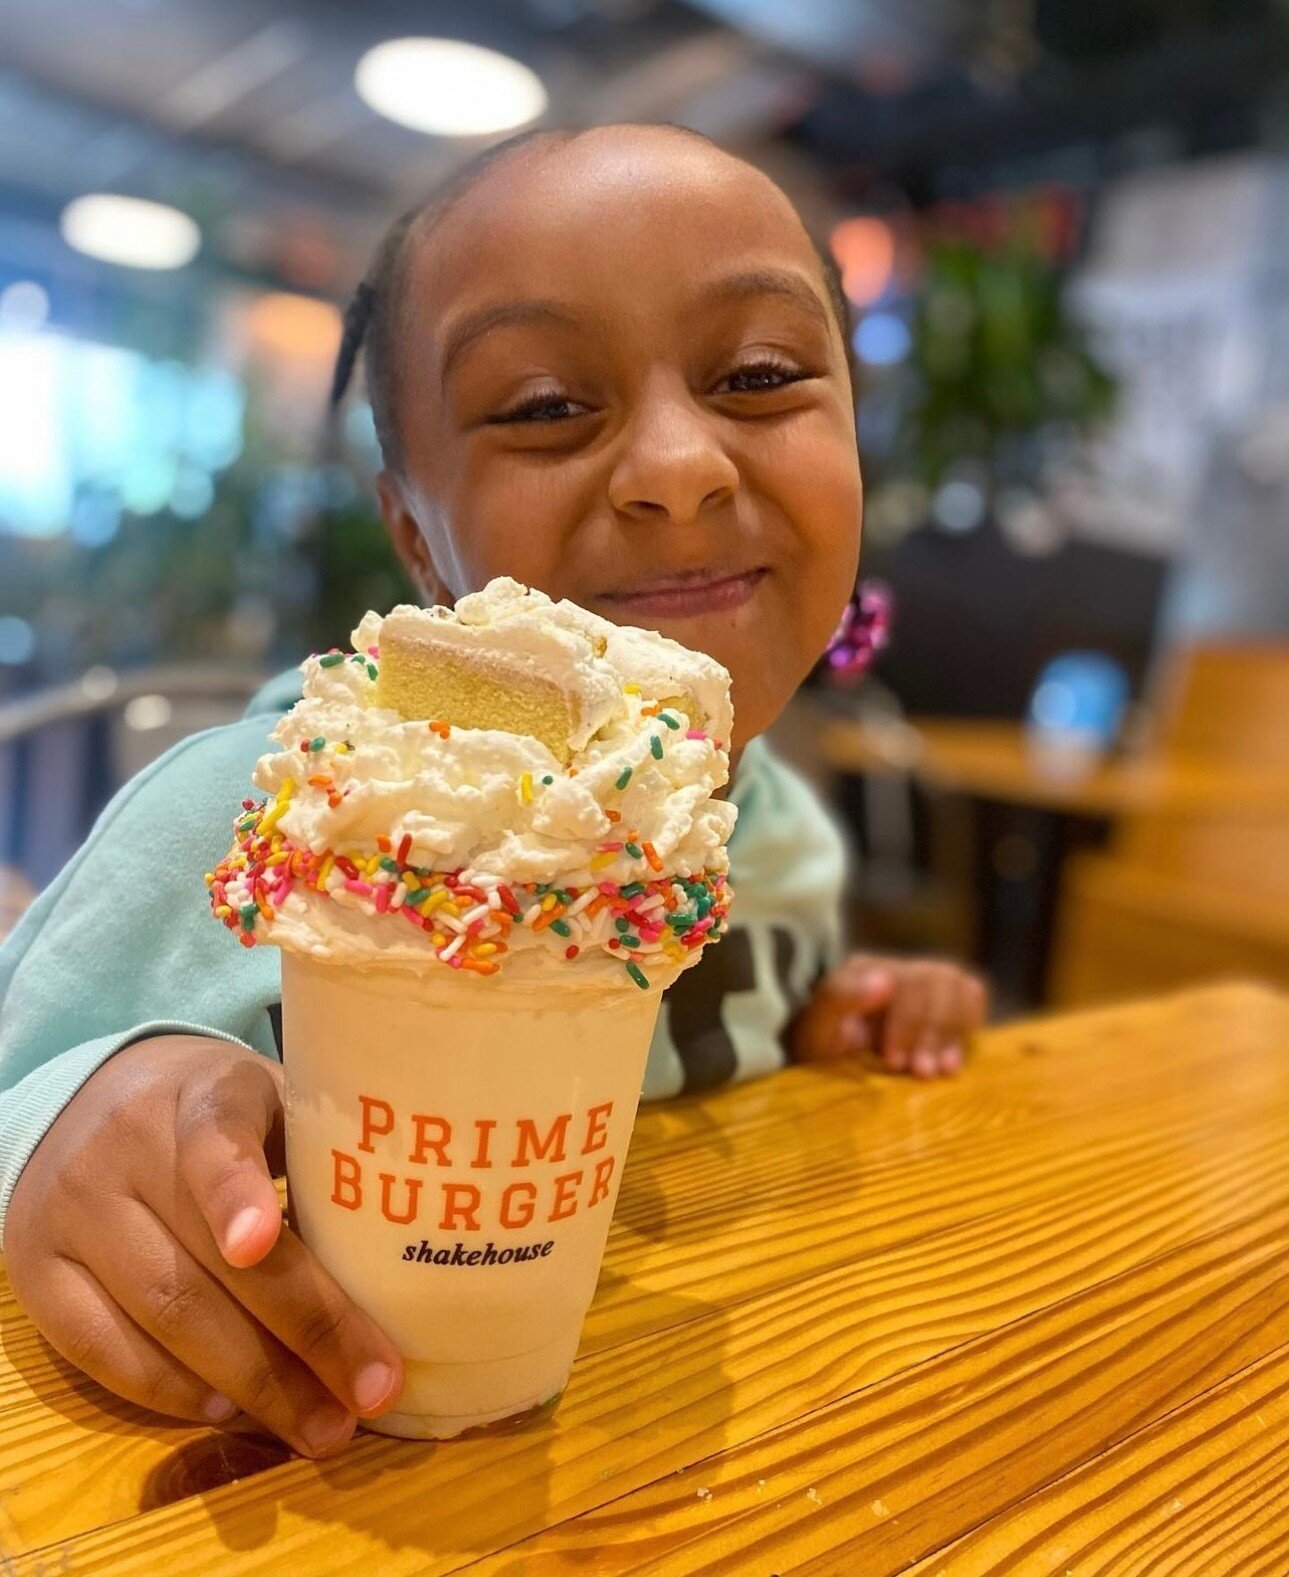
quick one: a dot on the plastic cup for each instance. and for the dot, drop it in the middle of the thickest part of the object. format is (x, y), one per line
(454, 1149)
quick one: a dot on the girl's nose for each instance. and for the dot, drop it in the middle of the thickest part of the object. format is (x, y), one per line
(671, 466)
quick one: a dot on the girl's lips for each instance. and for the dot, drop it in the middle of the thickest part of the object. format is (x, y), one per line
(678, 599)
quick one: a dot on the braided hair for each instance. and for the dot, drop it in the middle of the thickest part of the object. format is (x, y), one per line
(372, 317)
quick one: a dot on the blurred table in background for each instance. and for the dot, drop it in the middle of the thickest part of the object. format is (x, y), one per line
(987, 759)
(1096, 879)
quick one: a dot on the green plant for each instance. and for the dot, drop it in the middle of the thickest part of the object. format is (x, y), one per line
(357, 570)
(1004, 373)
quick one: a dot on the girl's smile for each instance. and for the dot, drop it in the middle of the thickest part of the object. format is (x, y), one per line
(670, 597)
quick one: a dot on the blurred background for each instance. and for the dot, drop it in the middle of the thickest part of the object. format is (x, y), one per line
(1063, 227)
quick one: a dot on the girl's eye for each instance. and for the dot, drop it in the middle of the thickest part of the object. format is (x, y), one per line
(763, 375)
(756, 377)
(542, 408)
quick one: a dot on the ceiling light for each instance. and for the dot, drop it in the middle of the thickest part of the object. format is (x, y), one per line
(447, 87)
(130, 231)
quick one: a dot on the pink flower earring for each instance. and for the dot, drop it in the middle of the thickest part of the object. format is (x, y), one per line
(864, 630)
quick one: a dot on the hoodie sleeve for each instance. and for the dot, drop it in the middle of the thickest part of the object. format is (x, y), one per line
(725, 1019)
(122, 945)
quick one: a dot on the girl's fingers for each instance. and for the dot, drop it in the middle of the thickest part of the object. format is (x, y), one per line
(294, 1298)
(959, 1007)
(865, 984)
(968, 1015)
(220, 1132)
(853, 1036)
(919, 1014)
(976, 1002)
(905, 1019)
(942, 1029)
(834, 1024)
(185, 1309)
(925, 1026)
(925, 1060)
(835, 1035)
(932, 1037)
(81, 1319)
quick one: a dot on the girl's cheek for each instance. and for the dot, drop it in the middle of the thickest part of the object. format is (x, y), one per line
(819, 491)
(509, 521)
(827, 520)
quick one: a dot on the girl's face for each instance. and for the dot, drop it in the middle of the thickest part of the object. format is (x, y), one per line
(621, 382)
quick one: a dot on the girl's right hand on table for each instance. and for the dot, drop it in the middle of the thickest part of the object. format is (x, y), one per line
(145, 1240)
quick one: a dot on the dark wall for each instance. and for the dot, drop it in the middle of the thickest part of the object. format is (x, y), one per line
(975, 622)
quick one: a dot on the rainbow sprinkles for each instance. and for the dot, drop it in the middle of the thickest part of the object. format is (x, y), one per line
(467, 916)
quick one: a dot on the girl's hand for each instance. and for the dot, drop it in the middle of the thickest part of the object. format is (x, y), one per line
(146, 1241)
(915, 1014)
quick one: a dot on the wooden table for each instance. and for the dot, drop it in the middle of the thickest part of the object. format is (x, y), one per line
(998, 760)
(1029, 811)
(1032, 1320)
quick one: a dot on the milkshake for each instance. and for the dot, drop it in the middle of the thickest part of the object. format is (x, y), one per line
(489, 841)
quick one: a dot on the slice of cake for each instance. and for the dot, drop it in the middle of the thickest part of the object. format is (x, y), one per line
(522, 671)
(510, 658)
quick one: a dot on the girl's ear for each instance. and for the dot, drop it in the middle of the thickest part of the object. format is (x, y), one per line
(409, 541)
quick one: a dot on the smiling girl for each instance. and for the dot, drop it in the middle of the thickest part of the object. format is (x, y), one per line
(612, 365)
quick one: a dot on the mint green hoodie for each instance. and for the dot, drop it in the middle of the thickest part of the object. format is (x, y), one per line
(122, 946)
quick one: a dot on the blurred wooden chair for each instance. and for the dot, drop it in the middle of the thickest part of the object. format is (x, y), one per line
(65, 751)
(1186, 895)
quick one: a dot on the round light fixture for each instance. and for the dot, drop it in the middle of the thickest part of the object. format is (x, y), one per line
(447, 87)
(130, 230)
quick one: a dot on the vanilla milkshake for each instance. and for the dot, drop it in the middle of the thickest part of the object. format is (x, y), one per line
(489, 841)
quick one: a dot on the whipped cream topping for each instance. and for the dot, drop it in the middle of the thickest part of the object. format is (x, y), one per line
(634, 807)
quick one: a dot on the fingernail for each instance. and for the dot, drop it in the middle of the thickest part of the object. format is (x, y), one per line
(951, 1059)
(326, 1428)
(243, 1225)
(372, 1386)
(924, 1064)
(219, 1409)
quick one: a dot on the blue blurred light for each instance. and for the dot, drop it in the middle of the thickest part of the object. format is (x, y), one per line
(882, 339)
(192, 494)
(1079, 699)
(24, 306)
(96, 519)
(17, 640)
(958, 506)
(146, 482)
(214, 414)
(83, 419)
(35, 483)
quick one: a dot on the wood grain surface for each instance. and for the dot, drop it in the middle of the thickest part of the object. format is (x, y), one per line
(1031, 1320)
